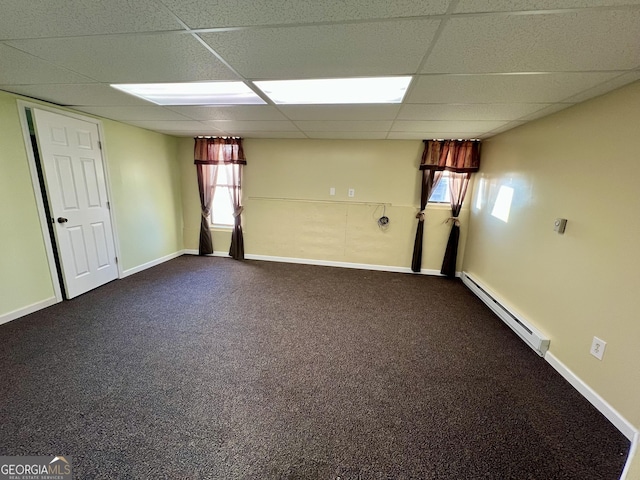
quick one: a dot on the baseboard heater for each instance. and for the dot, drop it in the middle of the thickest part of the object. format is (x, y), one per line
(533, 337)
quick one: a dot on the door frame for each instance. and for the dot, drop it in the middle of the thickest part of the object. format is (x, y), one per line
(23, 105)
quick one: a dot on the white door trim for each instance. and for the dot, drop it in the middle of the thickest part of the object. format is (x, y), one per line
(42, 214)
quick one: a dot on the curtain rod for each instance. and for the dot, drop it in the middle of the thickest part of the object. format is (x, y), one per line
(214, 136)
(456, 139)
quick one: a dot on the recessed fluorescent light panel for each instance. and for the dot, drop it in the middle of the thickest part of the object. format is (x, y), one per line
(336, 90)
(197, 93)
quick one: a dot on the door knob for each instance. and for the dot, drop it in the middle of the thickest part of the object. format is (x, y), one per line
(62, 220)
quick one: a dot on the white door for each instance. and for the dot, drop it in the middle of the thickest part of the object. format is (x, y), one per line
(74, 175)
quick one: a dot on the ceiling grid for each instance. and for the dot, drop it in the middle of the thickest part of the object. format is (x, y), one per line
(479, 67)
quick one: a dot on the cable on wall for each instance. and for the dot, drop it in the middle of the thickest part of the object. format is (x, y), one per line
(383, 221)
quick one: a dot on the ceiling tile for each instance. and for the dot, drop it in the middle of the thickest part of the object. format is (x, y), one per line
(546, 111)
(477, 111)
(429, 135)
(187, 133)
(340, 112)
(60, 18)
(524, 5)
(253, 125)
(445, 126)
(573, 41)
(346, 126)
(605, 87)
(174, 133)
(175, 126)
(26, 69)
(80, 94)
(235, 112)
(232, 13)
(133, 113)
(172, 57)
(325, 51)
(120, 41)
(250, 134)
(349, 135)
(541, 88)
(504, 128)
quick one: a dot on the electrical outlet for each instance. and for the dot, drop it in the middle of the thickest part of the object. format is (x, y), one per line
(352, 192)
(332, 191)
(597, 348)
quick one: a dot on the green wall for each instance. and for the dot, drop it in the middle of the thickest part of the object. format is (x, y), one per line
(145, 184)
(24, 270)
(146, 197)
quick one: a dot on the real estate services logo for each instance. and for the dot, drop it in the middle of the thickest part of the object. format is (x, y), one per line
(35, 468)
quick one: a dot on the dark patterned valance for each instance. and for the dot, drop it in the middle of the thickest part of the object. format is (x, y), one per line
(218, 150)
(460, 156)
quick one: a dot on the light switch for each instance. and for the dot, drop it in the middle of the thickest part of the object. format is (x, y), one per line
(332, 191)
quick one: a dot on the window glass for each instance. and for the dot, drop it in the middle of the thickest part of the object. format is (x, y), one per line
(441, 192)
(222, 209)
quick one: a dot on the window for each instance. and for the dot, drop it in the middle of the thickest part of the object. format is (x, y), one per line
(222, 209)
(441, 192)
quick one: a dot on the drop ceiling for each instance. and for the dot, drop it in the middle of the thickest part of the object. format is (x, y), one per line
(479, 67)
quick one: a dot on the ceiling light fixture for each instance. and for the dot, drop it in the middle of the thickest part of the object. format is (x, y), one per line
(336, 90)
(196, 93)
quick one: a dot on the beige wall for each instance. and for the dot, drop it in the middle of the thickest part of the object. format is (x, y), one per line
(582, 164)
(634, 470)
(316, 225)
(146, 196)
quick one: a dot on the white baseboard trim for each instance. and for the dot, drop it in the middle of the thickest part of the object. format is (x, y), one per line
(327, 263)
(34, 307)
(150, 264)
(621, 423)
(633, 451)
(21, 312)
(331, 263)
(191, 251)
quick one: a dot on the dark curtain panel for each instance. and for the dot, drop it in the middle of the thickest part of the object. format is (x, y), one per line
(210, 152)
(458, 183)
(430, 179)
(237, 241)
(463, 158)
(458, 157)
(431, 174)
(206, 186)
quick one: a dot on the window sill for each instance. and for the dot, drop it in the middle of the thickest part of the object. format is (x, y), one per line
(221, 228)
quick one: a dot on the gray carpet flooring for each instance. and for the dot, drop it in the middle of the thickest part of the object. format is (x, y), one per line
(215, 369)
